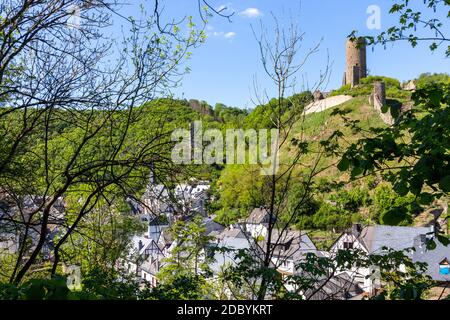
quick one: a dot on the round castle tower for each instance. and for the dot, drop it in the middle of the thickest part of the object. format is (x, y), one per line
(356, 61)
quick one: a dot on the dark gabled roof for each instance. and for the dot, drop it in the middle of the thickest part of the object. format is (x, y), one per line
(289, 244)
(157, 191)
(232, 233)
(212, 227)
(259, 215)
(339, 287)
(158, 221)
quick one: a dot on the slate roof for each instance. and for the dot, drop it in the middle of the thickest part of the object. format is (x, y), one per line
(137, 240)
(232, 233)
(258, 215)
(376, 237)
(290, 244)
(212, 227)
(339, 287)
(433, 258)
(157, 191)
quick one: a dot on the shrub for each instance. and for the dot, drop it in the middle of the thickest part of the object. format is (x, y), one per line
(393, 88)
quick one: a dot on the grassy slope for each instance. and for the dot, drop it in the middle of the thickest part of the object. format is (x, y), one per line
(319, 126)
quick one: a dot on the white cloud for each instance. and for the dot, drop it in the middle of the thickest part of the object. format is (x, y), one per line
(251, 13)
(229, 35)
(211, 32)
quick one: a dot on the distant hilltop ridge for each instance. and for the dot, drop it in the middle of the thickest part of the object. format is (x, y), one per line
(356, 82)
(201, 107)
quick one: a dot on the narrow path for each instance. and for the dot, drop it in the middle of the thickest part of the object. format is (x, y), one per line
(322, 105)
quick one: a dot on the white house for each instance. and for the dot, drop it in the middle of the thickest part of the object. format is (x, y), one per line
(257, 223)
(184, 200)
(373, 240)
(148, 251)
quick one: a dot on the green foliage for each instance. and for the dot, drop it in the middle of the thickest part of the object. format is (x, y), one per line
(230, 115)
(36, 289)
(413, 155)
(239, 188)
(263, 116)
(181, 287)
(103, 283)
(422, 136)
(104, 241)
(411, 284)
(411, 19)
(365, 88)
(353, 199)
(394, 209)
(190, 256)
(427, 79)
(329, 217)
(183, 274)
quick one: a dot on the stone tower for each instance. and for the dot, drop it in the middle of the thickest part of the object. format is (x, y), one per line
(356, 61)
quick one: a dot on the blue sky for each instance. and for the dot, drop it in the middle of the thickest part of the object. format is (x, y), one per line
(222, 69)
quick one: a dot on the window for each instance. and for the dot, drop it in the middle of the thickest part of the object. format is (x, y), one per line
(348, 245)
(444, 267)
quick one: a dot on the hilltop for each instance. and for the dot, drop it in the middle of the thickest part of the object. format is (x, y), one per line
(337, 203)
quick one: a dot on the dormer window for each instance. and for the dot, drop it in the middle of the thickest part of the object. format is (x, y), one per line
(444, 267)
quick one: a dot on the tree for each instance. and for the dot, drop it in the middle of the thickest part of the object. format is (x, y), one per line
(413, 153)
(256, 272)
(428, 25)
(68, 111)
(184, 271)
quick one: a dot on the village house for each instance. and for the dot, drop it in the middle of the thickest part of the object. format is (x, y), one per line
(16, 212)
(230, 239)
(148, 251)
(146, 257)
(377, 240)
(184, 200)
(257, 223)
(289, 247)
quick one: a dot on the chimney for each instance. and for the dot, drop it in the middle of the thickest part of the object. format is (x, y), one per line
(152, 173)
(357, 229)
(420, 240)
(140, 245)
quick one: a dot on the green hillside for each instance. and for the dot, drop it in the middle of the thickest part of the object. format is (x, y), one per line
(337, 202)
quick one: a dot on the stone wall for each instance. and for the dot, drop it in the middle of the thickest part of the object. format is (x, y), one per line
(378, 100)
